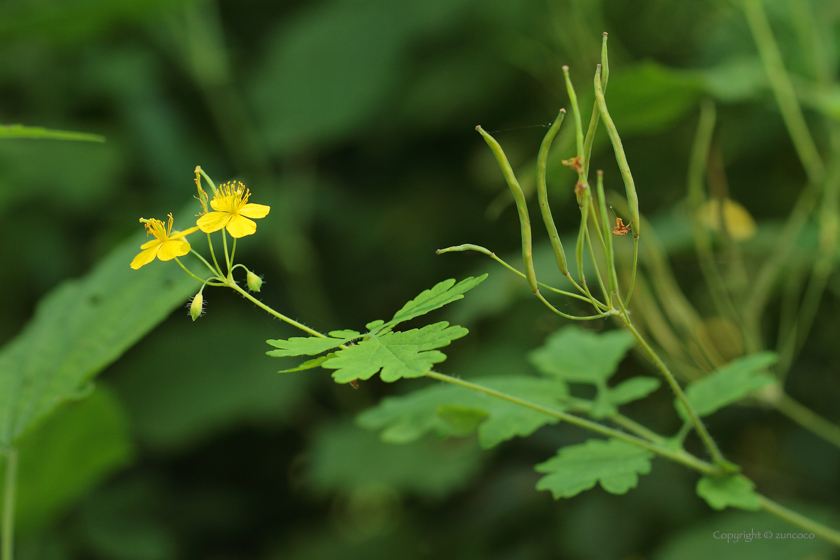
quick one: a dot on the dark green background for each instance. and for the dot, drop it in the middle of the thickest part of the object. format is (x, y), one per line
(354, 120)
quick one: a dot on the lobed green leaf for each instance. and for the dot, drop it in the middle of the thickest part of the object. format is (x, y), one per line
(441, 294)
(310, 346)
(397, 354)
(573, 354)
(734, 490)
(449, 410)
(632, 389)
(729, 384)
(615, 464)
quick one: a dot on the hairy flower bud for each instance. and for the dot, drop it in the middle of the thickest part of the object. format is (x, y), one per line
(254, 282)
(197, 306)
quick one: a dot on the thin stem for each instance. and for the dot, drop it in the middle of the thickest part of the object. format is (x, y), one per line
(799, 520)
(573, 317)
(202, 280)
(492, 255)
(637, 429)
(595, 263)
(717, 457)
(213, 254)
(633, 274)
(233, 252)
(609, 253)
(678, 456)
(214, 271)
(808, 419)
(227, 256)
(9, 487)
(269, 310)
(768, 50)
(208, 179)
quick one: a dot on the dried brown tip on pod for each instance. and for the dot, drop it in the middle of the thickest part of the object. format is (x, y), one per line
(478, 127)
(605, 33)
(600, 172)
(565, 68)
(562, 110)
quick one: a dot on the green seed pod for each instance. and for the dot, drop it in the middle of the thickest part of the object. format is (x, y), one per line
(521, 206)
(197, 306)
(254, 282)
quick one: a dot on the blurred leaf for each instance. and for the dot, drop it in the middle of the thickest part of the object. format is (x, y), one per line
(573, 354)
(615, 464)
(407, 418)
(708, 539)
(734, 490)
(330, 68)
(648, 97)
(67, 455)
(738, 79)
(632, 389)
(58, 173)
(731, 383)
(345, 458)
(20, 131)
(206, 386)
(123, 522)
(398, 354)
(80, 328)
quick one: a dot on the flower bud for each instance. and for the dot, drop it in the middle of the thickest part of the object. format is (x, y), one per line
(254, 282)
(197, 306)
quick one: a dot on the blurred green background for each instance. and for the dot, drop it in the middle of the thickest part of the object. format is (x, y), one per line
(354, 120)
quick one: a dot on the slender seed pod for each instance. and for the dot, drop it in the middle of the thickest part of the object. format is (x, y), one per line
(620, 157)
(575, 112)
(521, 206)
(596, 113)
(610, 255)
(542, 193)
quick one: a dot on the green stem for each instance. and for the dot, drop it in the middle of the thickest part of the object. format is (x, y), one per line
(202, 280)
(573, 317)
(9, 487)
(492, 255)
(213, 254)
(233, 252)
(717, 456)
(637, 429)
(678, 456)
(208, 179)
(633, 274)
(608, 246)
(214, 271)
(270, 311)
(799, 520)
(595, 262)
(808, 419)
(227, 255)
(783, 89)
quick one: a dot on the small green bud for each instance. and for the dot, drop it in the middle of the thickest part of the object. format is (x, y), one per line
(197, 306)
(254, 282)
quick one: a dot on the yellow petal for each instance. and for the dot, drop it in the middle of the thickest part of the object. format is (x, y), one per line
(171, 249)
(213, 221)
(181, 234)
(145, 257)
(240, 227)
(151, 243)
(254, 210)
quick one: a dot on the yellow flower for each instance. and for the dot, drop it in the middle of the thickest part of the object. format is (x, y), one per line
(232, 211)
(164, 246)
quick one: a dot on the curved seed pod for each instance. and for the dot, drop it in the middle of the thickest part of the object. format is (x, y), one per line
(521, 206)
(542, 193)
(620, 157)
(596, 113)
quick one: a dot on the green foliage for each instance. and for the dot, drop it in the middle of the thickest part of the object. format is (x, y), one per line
(78, 329)
(20, 131)
(734, 490)
(729, 384)
(398, 355)
(454, 411)
(212, 392)
(346, 459)
(67, 455)
(614, 463)
(575, 355)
